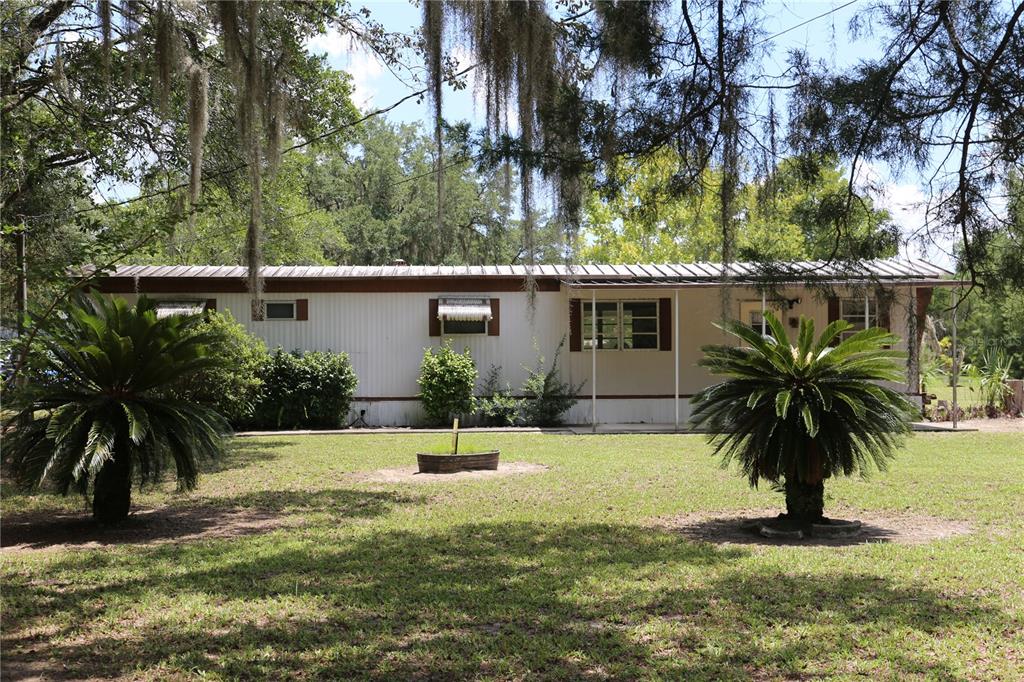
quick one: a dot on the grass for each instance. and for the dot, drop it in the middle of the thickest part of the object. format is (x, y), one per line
(555, 575)
(968, 392)
(441, 444)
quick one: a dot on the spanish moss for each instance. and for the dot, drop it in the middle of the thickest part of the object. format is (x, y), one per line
(433, 30)
(198, 122)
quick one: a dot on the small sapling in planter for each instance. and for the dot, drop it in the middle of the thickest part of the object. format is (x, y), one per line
(433, 463)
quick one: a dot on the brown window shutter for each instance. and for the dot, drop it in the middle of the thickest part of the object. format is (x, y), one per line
(882, 315)
(494, 326)
(211, 304)
(302, 309)
(433, 324)
(833, 309)
(664, 324)
(575, 326)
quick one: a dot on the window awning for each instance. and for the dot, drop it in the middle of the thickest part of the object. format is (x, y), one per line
(168, 308)
(464, 309)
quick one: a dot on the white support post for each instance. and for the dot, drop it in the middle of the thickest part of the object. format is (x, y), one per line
(956, 364)
(764, 325)
(914, 348)
(867, 309)
(593, 360)
(675, 353)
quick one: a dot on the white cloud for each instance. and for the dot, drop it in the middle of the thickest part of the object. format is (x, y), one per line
(907, 205)
(364, 68)
(905, 201)
(868, 178)
(348, 55)
(331, 44)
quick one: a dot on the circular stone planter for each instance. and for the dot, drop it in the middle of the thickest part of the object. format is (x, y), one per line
(836, 528)
(449, 464)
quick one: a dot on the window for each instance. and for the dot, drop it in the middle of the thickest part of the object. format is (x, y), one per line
(464, 315)
(607, 326)
(750, 315)
(449, 327)
(279, 310)
(621, 325)
(852, 311)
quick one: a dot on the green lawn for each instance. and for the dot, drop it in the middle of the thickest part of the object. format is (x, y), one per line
(555, 575)
(968, 393)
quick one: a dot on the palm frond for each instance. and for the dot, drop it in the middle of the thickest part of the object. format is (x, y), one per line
(101, 394)
(778, 402)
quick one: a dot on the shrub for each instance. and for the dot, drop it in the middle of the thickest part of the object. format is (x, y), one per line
(547, 396)
(991, 373)
(499, 407)
(231, 388)
(305, 390)
(447, 380)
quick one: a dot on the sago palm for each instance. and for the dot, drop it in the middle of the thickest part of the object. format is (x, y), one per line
(97, 409)
(797, 415)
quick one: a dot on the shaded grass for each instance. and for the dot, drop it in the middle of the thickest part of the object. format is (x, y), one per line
(557, 575)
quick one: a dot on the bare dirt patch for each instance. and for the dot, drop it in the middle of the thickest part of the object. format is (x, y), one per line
(410, 474)
(740, 527)
(48, 531)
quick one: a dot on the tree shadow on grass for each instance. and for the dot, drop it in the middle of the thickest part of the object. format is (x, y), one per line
(877, 528)
(214, 518)
(559, 600)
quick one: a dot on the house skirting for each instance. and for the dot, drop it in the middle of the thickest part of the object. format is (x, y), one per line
(408, 411)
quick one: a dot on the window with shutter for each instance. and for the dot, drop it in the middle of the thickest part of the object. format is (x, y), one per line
(624, 325)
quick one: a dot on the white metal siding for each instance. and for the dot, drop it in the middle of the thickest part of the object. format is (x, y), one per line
(385, 335)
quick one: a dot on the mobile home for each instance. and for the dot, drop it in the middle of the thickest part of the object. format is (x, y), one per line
(636, 358)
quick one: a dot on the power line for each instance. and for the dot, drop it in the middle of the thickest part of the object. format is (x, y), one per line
(245, 164)
(377, 112)
(804, 23)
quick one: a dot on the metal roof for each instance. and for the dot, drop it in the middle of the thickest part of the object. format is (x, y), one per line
(893, 269)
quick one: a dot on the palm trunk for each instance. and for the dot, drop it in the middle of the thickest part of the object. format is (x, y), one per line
(805, 499)
(805, 502)
(112, 490)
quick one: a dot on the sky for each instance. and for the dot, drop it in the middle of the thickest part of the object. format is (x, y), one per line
(793, 23)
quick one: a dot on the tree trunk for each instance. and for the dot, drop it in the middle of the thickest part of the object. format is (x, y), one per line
(805, 502)
(112, 490)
